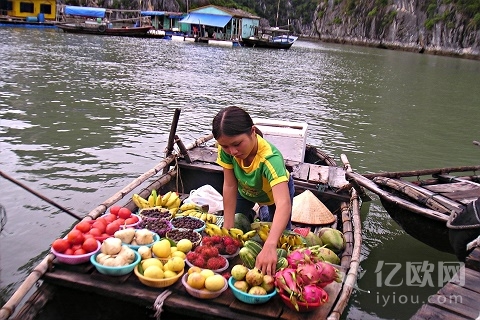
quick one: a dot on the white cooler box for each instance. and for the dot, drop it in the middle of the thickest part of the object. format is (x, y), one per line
(289, 137)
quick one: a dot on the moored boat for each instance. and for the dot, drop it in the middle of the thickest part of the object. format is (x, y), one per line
(99, 21)
(426, 202)
(63, 286)
(273, 38)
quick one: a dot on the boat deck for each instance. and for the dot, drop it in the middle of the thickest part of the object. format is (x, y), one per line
(130, 290)
(459, 298)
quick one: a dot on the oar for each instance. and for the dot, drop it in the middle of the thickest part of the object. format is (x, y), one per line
(39, 195)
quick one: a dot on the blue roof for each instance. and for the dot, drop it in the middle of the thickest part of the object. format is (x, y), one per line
(152, 13)
(214, 20)
(85, 11)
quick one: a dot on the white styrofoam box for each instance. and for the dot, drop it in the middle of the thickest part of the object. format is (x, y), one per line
(289, 137)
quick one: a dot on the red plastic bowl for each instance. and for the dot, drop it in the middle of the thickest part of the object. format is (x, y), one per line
(302, 306)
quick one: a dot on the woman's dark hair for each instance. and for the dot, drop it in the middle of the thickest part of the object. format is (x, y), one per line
(232, 121)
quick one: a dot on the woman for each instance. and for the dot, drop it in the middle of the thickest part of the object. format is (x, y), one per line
(254, 172)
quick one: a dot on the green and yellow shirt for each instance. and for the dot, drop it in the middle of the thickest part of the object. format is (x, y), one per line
(255, 182)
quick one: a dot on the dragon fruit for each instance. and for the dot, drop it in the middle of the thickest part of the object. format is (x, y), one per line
(309, 273)
(286, 281)
(313, 294)
(328, 273)
(300, 256)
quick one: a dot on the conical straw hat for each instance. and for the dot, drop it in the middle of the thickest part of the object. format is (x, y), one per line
(308, 209)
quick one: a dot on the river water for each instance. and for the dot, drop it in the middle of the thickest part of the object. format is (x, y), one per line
(81, 116)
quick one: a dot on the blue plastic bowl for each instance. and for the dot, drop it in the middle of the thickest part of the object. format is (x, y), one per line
(249, 298)
(156, 238)
(115, 271)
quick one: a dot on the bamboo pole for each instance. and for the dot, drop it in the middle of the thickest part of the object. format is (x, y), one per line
(430, 199)
(352, 274)
(424, 172)
(370, 185)
(9, 308)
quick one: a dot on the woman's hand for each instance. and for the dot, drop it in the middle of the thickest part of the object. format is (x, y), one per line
(266, 260)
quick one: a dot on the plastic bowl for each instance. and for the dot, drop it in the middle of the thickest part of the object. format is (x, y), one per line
(75, 259)
(216, 271)
(157, 283)
(302, 306)
(115, 271)
(249, 298)
(231, 256)
(200, 221)
(133, 225)
(181, 231)
(156, 238)
(204, 293)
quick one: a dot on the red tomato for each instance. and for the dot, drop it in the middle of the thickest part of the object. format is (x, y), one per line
(102, 220)
(131, 220)
(75, 237)
(115, 209)
(96, 232)
(88, 236)
(99, 225)
(120, 221)
(110, 218)
(90, 245)
(111, 228)
(79, 251)
(68, 251)
(61, 245)
(83, 226)
(124, 213)
(75, 247)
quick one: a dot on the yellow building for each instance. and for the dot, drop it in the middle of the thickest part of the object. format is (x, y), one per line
(24, 9)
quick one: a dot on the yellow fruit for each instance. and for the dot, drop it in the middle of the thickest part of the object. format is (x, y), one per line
(173, 249)
(184, 245)
(151, 262)
(207, 273)
(161, 249)
(153, 272)
(169, 274)
(215, 282)
(176, 264)
(194, 269)
(196, 280)
(179, 254)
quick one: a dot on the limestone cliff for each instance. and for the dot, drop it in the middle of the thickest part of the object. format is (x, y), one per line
(414, 25)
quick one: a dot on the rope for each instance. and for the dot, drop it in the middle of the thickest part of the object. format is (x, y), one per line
(454, 214)
(158, 304)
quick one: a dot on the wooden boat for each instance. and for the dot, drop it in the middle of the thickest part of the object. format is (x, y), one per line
(99, 21)
(424, 202)
(79, 292)
(104, 29)
(273, 38)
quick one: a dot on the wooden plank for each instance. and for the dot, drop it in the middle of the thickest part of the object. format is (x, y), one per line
(454, 305)
(336, 177)
(461, 294)
(463, 192)
(300, 171)
(473, 260)
(319, 174)
(271, 309)
(433, 313)
(448, 187)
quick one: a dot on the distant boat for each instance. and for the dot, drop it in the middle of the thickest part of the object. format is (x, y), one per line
(91, 20)
(104, 29)
(273, 38)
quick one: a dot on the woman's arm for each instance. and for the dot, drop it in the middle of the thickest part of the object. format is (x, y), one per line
(229, 198)
(267, 258)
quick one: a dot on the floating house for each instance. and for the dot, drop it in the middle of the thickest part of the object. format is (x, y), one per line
(28, 12)
(166, 24)
(219, 25)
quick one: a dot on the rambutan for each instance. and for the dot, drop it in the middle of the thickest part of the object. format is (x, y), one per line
(206, 241)
(216, 239)
(237, 243)
(191, 256)
(216, 263)
(227, 241)
(200, 262)
(231, 249)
